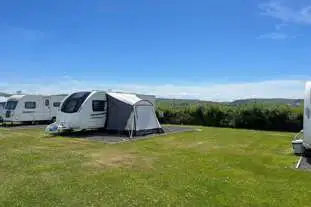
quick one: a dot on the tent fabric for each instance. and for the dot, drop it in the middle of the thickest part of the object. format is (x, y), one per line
(129, 114)
(118, 114)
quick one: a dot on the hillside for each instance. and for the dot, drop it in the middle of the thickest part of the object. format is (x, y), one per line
(4, 94)
(185, 102)
(292, 102)
(162, 102)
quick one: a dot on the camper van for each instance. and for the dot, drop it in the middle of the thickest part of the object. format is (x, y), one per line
(32, 108)
(111, 111)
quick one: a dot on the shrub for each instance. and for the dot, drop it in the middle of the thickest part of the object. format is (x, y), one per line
(251, 116)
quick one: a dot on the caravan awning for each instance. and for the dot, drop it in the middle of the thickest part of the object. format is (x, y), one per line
(130, 99)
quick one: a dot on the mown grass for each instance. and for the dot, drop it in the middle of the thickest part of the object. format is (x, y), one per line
(213, 167)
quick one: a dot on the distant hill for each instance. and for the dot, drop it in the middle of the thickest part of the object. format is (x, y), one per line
(4, 94)
(181, 102)
(185, 102)
(292, 102)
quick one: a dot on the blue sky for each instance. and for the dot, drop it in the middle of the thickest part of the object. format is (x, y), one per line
(208, 49)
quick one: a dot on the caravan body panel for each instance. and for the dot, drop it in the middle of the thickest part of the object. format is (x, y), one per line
(30, 108)
(307, 117)
(83, 110)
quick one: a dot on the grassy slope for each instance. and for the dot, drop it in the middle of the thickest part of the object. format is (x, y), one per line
(215, 167)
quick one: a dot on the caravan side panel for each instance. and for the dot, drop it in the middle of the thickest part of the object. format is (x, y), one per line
(55, 103)
(307, 116)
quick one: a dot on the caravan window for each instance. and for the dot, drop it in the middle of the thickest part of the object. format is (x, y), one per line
(30, 105)
(11, 105)
(73, 103)
(47, 102)
(56, 104)
(99, 105)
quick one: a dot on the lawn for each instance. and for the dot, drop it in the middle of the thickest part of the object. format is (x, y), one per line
(212, 167)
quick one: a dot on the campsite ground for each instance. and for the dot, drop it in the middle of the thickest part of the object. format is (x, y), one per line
(212, 167)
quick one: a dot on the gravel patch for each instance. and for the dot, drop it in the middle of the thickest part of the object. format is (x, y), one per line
(118, 138)
(104, 136)
(304, 163)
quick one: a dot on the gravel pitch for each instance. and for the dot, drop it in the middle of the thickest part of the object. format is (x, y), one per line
(106, 137)
(117, 138)
(305, 163)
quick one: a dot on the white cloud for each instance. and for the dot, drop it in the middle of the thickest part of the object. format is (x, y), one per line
(214, 92)
(274, 36)
(296, 13)
(277, 36)
(278, 10)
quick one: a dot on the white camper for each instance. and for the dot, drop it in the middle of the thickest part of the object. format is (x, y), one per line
(32, 108)
(2, 104)
(119, 112)
(306, 141)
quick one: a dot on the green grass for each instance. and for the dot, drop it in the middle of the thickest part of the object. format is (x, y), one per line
(213, 167)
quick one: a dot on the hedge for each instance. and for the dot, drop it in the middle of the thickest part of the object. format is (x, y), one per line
(253, 116)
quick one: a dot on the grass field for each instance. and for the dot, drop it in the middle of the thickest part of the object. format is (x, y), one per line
(213, 167)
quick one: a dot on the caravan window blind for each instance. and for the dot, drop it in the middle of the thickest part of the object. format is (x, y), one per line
(30, 105)
(99, 105)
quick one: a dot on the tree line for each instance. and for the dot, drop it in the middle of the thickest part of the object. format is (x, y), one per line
(250, 116)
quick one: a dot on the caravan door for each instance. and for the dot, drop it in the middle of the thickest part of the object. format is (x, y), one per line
(46, 109)
(307, 116)
(96, 107)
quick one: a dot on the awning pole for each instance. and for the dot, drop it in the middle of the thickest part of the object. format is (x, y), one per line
(131, 134)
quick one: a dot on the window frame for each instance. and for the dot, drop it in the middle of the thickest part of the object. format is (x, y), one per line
(99, 110)
(82, 97)
(10, 105)
(32, 102)
(57, 104)
(47, 102)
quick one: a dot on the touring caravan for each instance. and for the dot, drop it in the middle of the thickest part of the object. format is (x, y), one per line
(2, 104)
(302, 141)
(32, 108)
(112, 111)
(306, 132)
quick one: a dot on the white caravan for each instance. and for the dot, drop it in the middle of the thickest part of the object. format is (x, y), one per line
(119, 112)
(306, 141)
(2, 104)
(32, 108)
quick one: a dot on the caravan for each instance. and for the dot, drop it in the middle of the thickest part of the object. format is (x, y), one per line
(32, 108)
(306, 141)
(112, 111)
(2, 104)
(302, 141)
